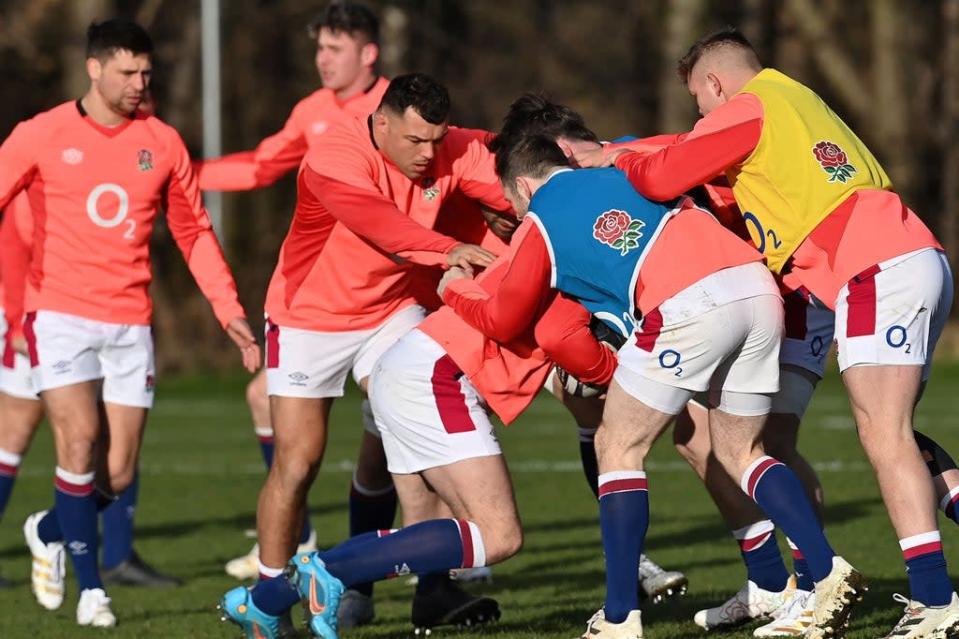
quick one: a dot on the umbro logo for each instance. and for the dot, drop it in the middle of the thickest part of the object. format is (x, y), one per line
(61, 367)
(72, 156)
(320, 127)
(77, 547)
(299, 377)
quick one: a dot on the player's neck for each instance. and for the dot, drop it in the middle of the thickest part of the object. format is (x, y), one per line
(363, 83)
(100, 112)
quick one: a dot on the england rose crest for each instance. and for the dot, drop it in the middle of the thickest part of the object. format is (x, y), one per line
(618, 230)
(833, 161)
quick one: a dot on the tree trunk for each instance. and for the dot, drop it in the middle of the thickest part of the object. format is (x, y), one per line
(676, 108)
(79, 14)
(950, 129)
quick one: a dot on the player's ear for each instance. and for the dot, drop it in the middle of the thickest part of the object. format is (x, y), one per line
(714, 84)
(564, 146)
(94, 68)
(369, 53)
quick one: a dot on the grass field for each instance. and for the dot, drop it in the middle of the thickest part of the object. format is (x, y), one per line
(201, 472)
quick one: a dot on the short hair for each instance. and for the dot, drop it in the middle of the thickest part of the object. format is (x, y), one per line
(535, 113)
(345, 16)
(426, 95)
(728, 36)
(105, 38)
(528, 156)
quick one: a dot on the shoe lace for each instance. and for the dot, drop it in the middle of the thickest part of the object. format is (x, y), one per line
(794, 605)
(911, 610)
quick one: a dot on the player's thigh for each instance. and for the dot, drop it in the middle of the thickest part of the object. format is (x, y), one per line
(129, 367)
(479, 489)
(300, 428)
(630, 425)
(382, 339)
(309, 364)
(63, 349)
(418, 499)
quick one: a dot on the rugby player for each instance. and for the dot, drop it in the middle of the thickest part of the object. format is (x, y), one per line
(87, 322)
(820, 207)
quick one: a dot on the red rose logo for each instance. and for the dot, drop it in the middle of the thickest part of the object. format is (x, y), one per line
(833, 160)
(618, 230)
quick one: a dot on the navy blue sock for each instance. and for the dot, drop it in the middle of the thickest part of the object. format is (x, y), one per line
(623, 519)
(801, 569)
(926, 566)
(432, 546)
(48, 528)
(764, 563)
(275, 596)
(587, 455)
(117, 521)
(76, 505)
(9, 465)
(778, 491)
(370, 511)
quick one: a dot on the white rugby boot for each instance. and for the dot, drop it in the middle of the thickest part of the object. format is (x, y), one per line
(48, 574)
(751, 603)
(926, 622)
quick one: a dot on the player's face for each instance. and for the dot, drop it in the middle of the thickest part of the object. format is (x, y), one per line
(409, 141)
(705, 89)
(122, 80)
(518, 195)
(341, 59)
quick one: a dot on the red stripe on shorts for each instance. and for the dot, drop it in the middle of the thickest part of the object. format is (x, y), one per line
(622, 485)
(450, 401)
(8, 352)
(31, 337)
(272, 345)
(758, 473)
(922, 549)
(652, 324)
(467, 536)
(861, 303)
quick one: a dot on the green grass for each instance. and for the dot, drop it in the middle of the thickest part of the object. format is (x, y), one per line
(201, 472)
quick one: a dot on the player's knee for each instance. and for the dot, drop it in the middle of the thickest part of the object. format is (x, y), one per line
(258, 402)
(77, 455)
(293, 470)
(503, 543)
(120, 479)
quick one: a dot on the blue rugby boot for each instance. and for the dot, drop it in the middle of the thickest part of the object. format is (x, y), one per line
(237, 606)
(320, 592)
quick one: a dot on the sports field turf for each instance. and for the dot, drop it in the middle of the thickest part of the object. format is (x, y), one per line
(201, 472)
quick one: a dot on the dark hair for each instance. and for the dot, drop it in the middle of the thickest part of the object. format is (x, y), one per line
(107, 37)
(728, 36)
(428, 97)
(534, 113)
(345, 16)
(528, 156)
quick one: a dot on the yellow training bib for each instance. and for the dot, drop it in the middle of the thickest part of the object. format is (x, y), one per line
(807, 162)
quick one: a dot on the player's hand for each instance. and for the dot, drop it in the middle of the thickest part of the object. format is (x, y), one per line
(596, 158)
(463, 255)
(19, 344)
(455, 273)
(239, 331)
(502, 225)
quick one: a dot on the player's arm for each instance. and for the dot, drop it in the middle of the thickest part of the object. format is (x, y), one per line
(273, 158)
(18, 162)
(190, 226)
(504, 315)
(374, 217)
(720, 140)
(563, 333)
(14, 264)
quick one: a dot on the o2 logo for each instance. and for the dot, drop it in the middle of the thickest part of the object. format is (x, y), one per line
(750, 218)
(671, 360)
(896, 337)
(93, 209)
